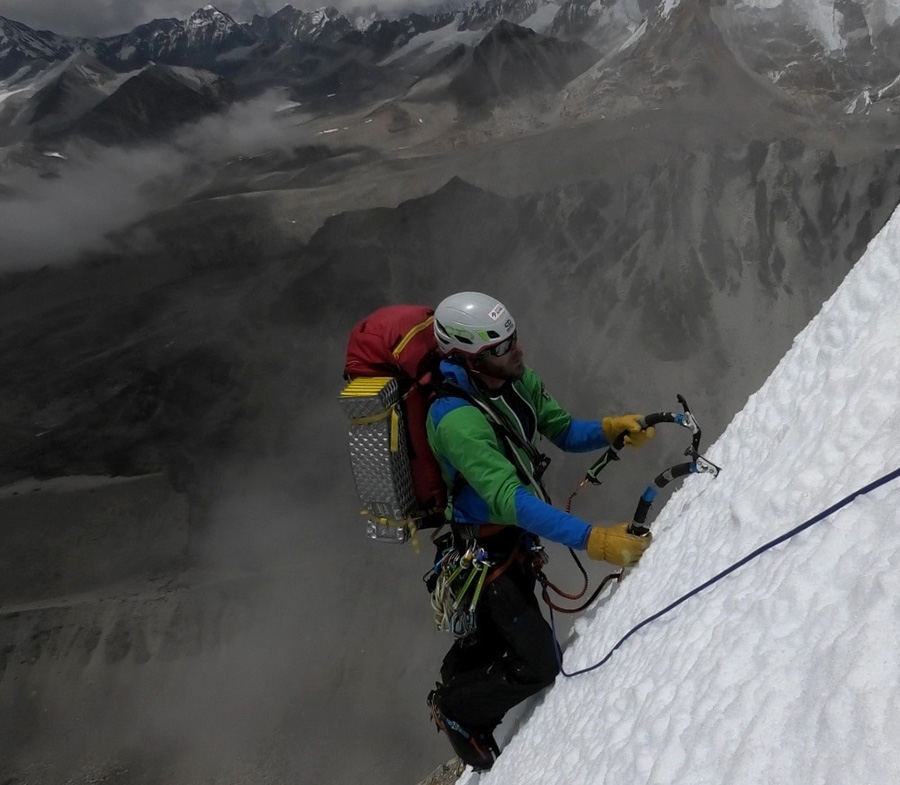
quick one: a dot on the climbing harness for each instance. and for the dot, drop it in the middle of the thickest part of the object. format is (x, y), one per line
(866, 489)
(697, 465)
(461, 573)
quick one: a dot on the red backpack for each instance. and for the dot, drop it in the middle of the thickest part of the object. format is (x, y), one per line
(398, 342)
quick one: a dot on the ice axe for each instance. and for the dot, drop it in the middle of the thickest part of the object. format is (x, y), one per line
(697, 465)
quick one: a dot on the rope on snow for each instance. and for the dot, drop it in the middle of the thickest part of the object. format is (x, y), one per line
(889, 477)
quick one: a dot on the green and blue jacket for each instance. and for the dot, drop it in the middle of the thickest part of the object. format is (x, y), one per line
(484, 484)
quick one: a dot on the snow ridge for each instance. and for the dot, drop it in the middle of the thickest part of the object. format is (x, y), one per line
(787, 670)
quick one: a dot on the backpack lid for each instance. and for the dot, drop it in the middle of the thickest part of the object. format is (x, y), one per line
(394, 340)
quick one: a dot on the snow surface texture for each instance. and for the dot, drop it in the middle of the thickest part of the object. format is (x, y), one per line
(787, 670)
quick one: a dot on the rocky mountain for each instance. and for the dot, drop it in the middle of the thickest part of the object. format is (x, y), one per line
(383, 36)
(202, 40)
(853, 49)
(842, 55)
(844, 33)
(479, 15)
(314, 55)
(52, 103)
(829, 48)
(153, 103)
(81, 98)
(512, 60)
(606, 25)
(212, 39)
(290, 24)
(681, 56)
(22, 48)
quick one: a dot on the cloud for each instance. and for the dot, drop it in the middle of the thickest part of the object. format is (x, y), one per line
(54, 221)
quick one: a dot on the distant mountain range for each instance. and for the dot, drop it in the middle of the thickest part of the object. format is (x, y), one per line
(212, 39)
(841, 52)
(112, 89)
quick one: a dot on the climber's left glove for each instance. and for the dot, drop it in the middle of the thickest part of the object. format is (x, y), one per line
(636, 436)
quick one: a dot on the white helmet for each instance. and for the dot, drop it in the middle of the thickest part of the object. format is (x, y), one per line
(470, 322)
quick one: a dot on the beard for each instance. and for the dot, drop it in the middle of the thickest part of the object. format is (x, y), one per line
(501, 368)
(514, 373)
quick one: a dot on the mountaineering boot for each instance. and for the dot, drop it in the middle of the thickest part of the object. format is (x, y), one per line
(476, 748)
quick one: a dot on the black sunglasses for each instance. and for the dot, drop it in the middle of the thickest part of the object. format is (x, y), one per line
(504, 347)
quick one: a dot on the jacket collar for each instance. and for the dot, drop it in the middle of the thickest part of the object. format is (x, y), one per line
(455, 374)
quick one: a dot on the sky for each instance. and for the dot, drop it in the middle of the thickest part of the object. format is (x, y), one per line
(787, 670)
(111, 17)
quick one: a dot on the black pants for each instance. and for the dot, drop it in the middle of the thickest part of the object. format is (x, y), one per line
(510, 657)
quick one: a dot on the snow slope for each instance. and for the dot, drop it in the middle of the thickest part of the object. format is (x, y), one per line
(450, 36)
(788, 669)
(446, 37)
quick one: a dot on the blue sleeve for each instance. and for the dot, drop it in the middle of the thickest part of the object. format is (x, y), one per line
(546, 521)
(582, 436)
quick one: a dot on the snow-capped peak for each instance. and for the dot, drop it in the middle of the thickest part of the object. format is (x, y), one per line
(209, 14)
(323, 14)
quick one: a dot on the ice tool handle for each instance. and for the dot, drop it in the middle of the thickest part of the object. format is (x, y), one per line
(612, 452)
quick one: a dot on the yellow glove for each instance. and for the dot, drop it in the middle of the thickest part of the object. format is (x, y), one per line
(615, 545)
(613, 426)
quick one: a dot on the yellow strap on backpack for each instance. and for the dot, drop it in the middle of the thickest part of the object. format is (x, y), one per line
(394, 413)
(410, 524)
(404, 341)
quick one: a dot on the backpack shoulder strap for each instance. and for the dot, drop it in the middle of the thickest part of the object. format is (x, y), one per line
(509, 437)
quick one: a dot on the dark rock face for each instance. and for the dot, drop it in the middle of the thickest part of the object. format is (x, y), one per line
(51, 111)
(152, 104)
(199, 41)
(477, 16)
(290, 24)
(513, 60)
(778, 227)
(385, 35)
(65, 95)
(21, 46)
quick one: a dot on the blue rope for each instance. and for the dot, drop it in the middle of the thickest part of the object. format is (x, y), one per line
(716, 578)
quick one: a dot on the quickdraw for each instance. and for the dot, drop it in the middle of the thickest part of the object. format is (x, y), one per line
(639, 526)
(457, 573)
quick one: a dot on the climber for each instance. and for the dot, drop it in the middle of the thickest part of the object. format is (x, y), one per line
(483, 428)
